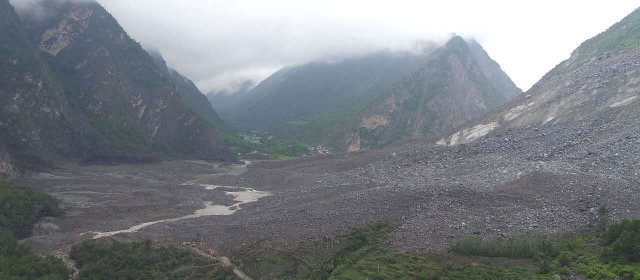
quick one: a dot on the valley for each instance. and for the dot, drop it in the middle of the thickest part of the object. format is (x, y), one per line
(418, 163)
(494, 187)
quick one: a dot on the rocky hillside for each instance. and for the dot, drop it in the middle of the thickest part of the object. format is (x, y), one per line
(555, 160)
(598, 83)
(36, 121)
(189, 92)
(458, 82)
(75, 78)
(303, 93)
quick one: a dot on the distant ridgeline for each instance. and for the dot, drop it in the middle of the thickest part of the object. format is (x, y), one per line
(74, 86)
(371, 101)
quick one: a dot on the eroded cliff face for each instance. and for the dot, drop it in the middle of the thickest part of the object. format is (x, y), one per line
(455, 85)
(74, 85)
(6, 166)
(35, 120)
(125, 95)
(598, 82)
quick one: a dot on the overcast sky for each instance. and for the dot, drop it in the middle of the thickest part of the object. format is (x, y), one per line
(218, 43)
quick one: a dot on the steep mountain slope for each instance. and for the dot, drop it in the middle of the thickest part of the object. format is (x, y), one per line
(189, 92)
(75, 86)
(193, 98)
(599, 81)
(550, 161)
(303, 92)
(458, 82)
(35, 119)
(227, 101)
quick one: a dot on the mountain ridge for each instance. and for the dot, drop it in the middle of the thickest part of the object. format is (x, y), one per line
(456, 84)
(578, 89)
(109, 98)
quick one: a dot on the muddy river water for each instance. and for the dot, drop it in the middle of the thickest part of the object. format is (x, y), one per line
(240, 196)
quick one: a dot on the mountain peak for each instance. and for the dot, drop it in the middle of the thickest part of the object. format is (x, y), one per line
(456, 42)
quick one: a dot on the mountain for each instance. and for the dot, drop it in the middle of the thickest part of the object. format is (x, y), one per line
(302, 93)
(189, 92)
(372, 101)
(75, 78)
(457, 82)
(226, 101)
(598, 84)
(35, 119)
(561, 158)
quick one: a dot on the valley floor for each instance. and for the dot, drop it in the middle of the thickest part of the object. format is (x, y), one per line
(435, 195)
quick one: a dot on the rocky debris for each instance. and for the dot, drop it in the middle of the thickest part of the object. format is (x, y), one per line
(569, 93)
(457, 83)
(548, 167)
(6, 166)
(543, 178)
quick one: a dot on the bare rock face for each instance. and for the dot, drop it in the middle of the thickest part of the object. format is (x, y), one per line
(458, 82)
(75, 86)
(6, 166)
(127, 97)
(601, 79)
(35, 119)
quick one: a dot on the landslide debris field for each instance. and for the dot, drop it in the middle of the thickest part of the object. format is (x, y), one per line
(551, 178)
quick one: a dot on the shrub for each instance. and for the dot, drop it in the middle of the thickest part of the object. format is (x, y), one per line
(141, 260)
(18, 262)
(21, 207)
(524, 246)
(622, 242)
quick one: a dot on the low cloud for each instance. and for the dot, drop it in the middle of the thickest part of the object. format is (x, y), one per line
(35, 7)
(219, 44)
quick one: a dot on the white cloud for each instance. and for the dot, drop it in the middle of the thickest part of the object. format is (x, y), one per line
(217, 42)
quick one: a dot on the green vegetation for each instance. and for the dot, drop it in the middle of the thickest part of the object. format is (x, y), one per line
(19, 263)
(141, 260)
(361, 254)
(367, 258)
(614, 253)
(21, 207)
(524, 246)
(622, 36)
(271, 146)
(622, 242)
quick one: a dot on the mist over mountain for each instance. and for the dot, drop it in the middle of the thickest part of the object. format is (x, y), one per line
(372, 101)
(75, 78)
(454, 85)
(227, 101)
(302, 93)
(369, 162)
